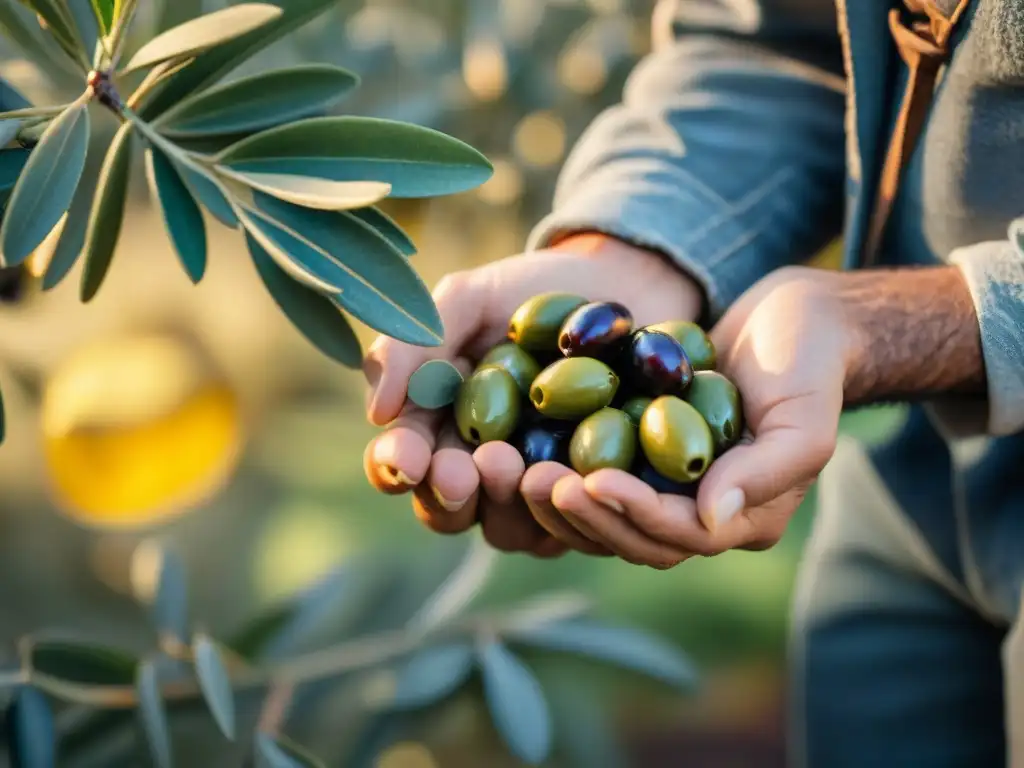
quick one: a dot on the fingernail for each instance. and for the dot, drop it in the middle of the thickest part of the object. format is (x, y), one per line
(729, 505)
(394, 477)
(612, 504)
(450, 506)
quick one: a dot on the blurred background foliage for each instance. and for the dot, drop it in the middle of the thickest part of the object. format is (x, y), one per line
(243, 445)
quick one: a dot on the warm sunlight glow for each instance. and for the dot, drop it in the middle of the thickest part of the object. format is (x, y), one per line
(136, 430)
(540, 139)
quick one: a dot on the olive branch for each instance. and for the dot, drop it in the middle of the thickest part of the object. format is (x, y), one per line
(429, 658)
(259, 154)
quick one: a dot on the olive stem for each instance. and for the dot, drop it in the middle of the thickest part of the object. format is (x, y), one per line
(362, 653)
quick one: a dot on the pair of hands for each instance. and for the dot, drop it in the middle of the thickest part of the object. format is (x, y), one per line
(784, 343)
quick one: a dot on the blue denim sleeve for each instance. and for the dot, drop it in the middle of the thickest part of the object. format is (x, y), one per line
(727, 150)
(995, 275)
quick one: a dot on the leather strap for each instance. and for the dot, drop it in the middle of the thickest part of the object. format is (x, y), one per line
(924, 47)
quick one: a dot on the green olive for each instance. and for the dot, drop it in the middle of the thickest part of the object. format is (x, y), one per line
(487, 406)
(514, 360)
(695, 342)
(676, 440)
(573, 388)
(718, 401)
(603, 440)
(635, 407)
(537, 322)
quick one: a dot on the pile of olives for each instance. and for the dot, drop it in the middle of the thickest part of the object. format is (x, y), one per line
(577, 383)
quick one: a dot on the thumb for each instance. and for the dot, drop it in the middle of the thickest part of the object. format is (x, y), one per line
(793, 443)
(460, 300)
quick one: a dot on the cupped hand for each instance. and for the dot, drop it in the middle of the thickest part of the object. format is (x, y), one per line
(785, 344)
(454, 487)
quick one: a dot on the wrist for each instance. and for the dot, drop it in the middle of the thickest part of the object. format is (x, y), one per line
(911, 334)
(656, 267)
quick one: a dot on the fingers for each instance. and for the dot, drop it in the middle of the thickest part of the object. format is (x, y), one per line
(665, 518)
(504, 518)
(611, 527)
(461, 300)
(794, 441)
(536, 488)
(447, 501)
(397, 460)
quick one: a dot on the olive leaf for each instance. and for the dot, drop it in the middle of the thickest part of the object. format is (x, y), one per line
(213, 64)
(624, 647)
(308, 192)
(8, 132)
(386, 227)
(11, 98)
(377, 284)
(54, 13)
(12, 162)
(435, 384)
(107, 213)
(261, 101)
(46, 186)
(430, 675)
(20, 27)
(279, 752)
(86, 22)
(517, 704)
(81, 662)
(215, 683)
(182, 217)
(302, 260)
(207, 192)
(201, 33)
(312, 314)
(72, 237)
(170, 603)
(103, 11)
(31, 733)
(415, 161)
(152, 714)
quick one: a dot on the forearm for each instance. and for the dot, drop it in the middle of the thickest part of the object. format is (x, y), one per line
(914, 335)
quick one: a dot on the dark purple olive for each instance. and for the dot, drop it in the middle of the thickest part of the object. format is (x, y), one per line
(655, 364)
(537, 443)
(534, 418)
(595, 330)
(648, 474)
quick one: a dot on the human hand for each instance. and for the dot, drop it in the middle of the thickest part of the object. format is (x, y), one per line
(786, 346)
(454, 486)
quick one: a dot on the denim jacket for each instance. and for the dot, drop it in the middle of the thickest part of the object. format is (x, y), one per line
(755, 133)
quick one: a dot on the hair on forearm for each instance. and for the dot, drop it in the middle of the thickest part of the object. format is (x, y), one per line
(917, 335)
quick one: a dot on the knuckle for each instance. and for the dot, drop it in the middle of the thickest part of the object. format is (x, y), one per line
(452, 285)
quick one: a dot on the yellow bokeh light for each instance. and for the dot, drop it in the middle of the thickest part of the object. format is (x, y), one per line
(485, 69)
(136, 430)
(540, 139)
(505, 185)
(583, 70)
